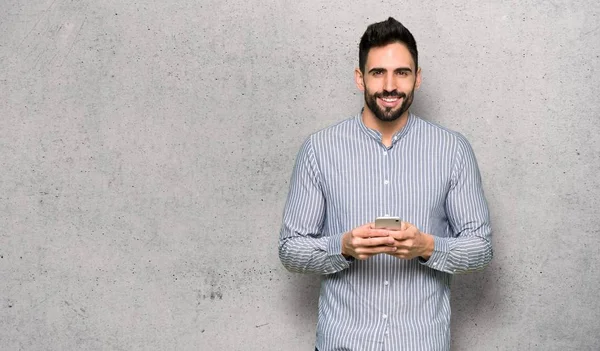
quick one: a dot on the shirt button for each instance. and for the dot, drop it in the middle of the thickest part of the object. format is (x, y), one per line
(384, 316)
(385, 153)
(386, 182)
(386, 283)
(387, 332)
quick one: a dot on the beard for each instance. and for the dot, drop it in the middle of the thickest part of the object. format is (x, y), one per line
(388, 114)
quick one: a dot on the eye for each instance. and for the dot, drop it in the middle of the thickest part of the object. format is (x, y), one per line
(377, 72)
(402, 73)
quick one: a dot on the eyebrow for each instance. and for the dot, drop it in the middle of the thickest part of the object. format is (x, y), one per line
(380, 69)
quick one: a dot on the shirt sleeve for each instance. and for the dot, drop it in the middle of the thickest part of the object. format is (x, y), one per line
(302, 247)
(470, 246)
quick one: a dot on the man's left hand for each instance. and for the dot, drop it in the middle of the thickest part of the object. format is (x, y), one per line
(411, 243)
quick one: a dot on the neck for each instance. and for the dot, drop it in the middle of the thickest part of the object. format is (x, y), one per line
(387, 129)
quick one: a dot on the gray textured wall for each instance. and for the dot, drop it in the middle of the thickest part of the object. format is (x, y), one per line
(146, 149)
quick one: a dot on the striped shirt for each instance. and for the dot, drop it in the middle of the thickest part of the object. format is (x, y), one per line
(344, 177)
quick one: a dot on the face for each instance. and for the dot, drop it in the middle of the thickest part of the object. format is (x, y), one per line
(389, 81)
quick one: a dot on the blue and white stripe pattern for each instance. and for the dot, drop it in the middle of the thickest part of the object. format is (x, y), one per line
(345, 177)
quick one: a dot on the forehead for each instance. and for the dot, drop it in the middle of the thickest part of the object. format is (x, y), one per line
(390, 56)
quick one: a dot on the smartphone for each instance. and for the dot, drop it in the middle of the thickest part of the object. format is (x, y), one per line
(388, 223)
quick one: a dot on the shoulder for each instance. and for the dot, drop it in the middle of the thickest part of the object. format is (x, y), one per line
(333, 134)
(338, 129)
(326, 139)
(428, 130)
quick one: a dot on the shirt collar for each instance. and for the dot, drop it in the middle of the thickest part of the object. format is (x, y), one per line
(377, 135)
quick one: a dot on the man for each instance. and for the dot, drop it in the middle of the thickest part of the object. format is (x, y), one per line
(385, 289)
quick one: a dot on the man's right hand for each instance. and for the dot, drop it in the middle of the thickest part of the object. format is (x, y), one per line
(366, 241)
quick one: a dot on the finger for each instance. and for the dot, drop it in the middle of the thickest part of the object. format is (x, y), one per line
(377, 241)
(370, 233)
(406, 254)
(407, 244)
(410, 232)
(380, 232)
(376, 250)
(400, 234)
(365, 226)
(371, 242)
(409, 226)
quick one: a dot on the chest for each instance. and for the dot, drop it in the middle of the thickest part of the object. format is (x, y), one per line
(367, 181)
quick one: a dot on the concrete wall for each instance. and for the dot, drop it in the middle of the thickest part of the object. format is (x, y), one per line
(146, 149)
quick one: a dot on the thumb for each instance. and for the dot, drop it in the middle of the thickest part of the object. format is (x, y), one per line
(404, 225)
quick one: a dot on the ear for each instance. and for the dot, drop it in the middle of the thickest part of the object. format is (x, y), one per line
(418, 78)
(358, 79)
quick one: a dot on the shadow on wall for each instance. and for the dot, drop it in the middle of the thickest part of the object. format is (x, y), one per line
(303, 298)
(475, 303)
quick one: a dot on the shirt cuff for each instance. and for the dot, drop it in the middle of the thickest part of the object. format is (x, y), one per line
(439, 256)
(334, 252)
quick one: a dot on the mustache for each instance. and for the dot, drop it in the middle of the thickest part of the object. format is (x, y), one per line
(387, 94)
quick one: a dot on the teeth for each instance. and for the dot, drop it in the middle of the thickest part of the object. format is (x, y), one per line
(389, 100)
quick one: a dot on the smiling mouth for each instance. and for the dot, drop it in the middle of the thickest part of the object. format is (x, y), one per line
(390, 101)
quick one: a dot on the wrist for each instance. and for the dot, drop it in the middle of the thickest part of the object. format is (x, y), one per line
(429, 245)
(344, 251)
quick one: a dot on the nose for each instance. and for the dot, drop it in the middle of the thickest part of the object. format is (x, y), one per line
(388, 83)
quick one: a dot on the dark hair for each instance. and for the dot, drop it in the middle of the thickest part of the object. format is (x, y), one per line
(384, 33)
